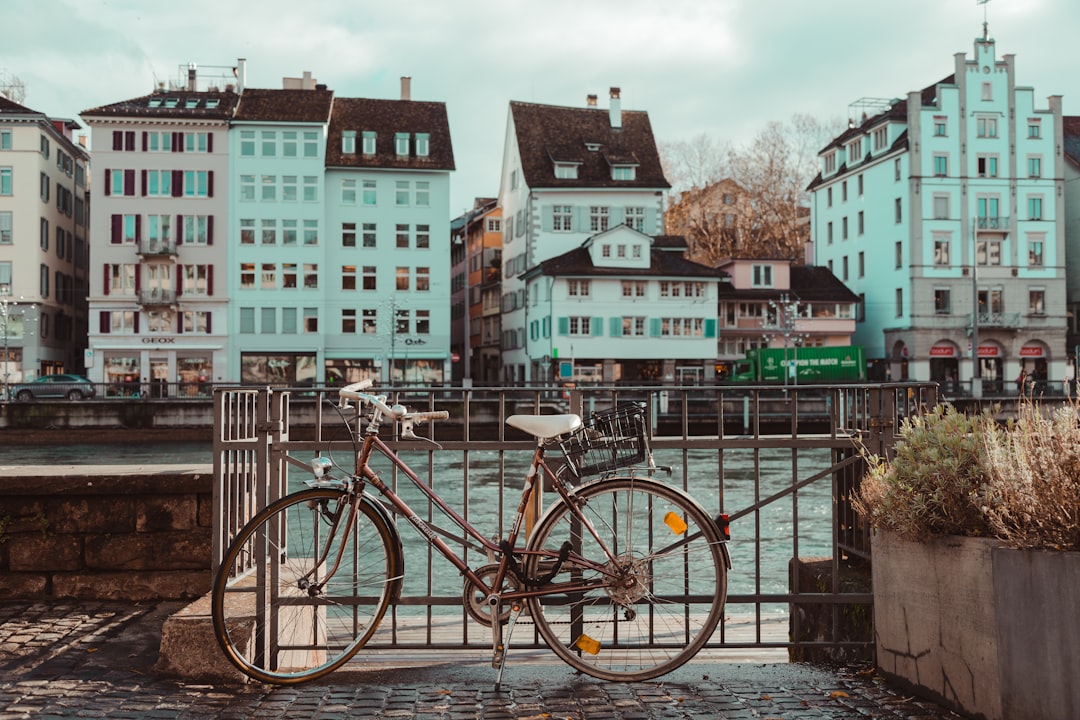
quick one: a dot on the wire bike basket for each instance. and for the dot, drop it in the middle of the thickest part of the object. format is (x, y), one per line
(608, 440)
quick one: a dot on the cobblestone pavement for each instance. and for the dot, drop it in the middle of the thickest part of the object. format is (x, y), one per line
(95, 660)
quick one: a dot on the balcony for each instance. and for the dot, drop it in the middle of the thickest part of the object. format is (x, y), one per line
(157, 297)
(992, 224)
(1001, 321)
(156, 248)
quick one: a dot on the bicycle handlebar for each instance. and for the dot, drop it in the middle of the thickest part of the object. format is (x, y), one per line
(353, 392)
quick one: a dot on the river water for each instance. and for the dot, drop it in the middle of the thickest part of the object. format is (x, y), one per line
(483, 505)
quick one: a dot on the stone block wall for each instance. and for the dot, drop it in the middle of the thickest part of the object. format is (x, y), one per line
(129, 533)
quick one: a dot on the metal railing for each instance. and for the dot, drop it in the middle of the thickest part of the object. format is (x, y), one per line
(782, 463)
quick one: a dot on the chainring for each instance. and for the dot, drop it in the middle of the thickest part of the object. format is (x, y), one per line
(474, 597)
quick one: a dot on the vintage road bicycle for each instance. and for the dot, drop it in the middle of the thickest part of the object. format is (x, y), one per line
(623, 576)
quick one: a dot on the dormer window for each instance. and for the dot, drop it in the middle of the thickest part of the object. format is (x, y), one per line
(830, 163)
(348, 142)
(369, 142)
(192, 102)
(592, 147)
(155, 102)
(854, 150)
(566, 171)
(623, 172)
(401, 144)
(212, 103)
(761, 276)
(171, 102)
(423, 145)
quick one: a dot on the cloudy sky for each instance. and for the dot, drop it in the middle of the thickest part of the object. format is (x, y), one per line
(724, 68)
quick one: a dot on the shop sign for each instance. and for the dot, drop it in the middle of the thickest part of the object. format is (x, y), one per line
(943, 351)
(988, 351)
(158, 340)
(1031, 351)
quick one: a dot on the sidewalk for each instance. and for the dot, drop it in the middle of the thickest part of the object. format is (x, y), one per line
(96, 660)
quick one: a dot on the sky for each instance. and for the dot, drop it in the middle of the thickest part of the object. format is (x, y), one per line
(719, 68)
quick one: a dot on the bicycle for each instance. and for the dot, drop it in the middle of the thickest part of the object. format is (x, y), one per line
(624, 577)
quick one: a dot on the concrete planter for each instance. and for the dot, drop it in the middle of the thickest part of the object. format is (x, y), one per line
(987, 631)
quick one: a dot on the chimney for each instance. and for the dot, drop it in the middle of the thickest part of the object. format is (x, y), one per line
(191, 75)
(308, 82)
(241, 74)
(590, 101)
(406, 87)
(615, 109)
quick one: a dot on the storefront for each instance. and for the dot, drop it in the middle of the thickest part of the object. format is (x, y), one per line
(280, 369)
(945, 366)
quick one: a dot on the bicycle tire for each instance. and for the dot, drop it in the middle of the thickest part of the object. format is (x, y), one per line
(299, 632)
(663, 596)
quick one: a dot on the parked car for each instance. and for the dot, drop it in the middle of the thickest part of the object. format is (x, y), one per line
(72, 387)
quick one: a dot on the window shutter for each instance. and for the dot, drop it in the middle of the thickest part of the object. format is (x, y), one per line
(209, 229)
(615, 327)
(615, 216)
(117, 229)
(210, 183)
(143, 178)
(179, 280)
(581, 219)
(179, 229)
(108, 182)
(654, 327)
(650, 221)
(108, 281)
(209, 317)
(104, 326)
(118, 140)
(138, 279)
(547, 218)
(138, 229)
(145, 141)
(564, 326)
(179, 323)
(129, 140)
(178, 142)
(136, 316)
(209, 142)
(129, 183)
(710, 327)
(209, 279)
(177, 183)
(596, 328)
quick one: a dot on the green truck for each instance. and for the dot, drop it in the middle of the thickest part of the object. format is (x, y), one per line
(811, 365)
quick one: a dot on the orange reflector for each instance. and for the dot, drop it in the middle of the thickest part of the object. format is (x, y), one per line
(588, 645)
(676, 523)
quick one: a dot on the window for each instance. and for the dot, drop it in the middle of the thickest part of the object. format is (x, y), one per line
(423, 144)
(311, 275)
(288, 188)
(566, 171)
(580, 326)
(121, 279)
(881, 138)
(988, 252)
(987, 208)
(348, 321)
(598, 218)
(941, 165)
(633, 326)
(311, 143)
(563, 217)
(986, 126)
(899, 302)
(5, 181)
(269, 143)
(844, 228)
(401, 278)
(1036, 243)
(862, 264)
(269, 232)
(401, 144)
(898, 210)
(1034, 128)
(423, 279)
(862, 223)
(289, 232)
(348, 145)
(196, 321)
(368, 192)
(623, 172)
(269, 276)
(494, 225)
(368, 142)
(423, 193)
(402, 236)
(311, 232)
(370, 321)
(860, 182)
(288, 143)
(311, 320)
(854, 150)
(987, 165)
(401, 193)
(829, 232)
(1034, 165)
(896, 170)
(247, 320)
(269, 188)
(368, 277)
(828, 197)
(247, 275)
(268, 321)
(348, 192)
(577, 288)
(830, 163)
(5, 227)
(195, 229)
(423, 236)
(939, 126)
(348, 234)
(942, 301)
(761, 276)
(1035, 207)
(401, 320)
(844, 268)
(633, 288)
(987, 91)
(843, 191)
(941, 206)
(899, 254)
(288, 276)
(635, 218)
(941, 250)
(369, 235)
(1037, 302)
(5, 139)
(247, 187)
(311, 188)
(159, 233)
(288, 321)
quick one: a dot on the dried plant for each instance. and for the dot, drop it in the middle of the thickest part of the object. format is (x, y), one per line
(1033, 468)
(935, 483)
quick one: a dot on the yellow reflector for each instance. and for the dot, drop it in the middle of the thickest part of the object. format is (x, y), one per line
(588, 645)
(676, 523)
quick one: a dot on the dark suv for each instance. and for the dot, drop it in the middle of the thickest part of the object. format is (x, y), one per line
(72, 387)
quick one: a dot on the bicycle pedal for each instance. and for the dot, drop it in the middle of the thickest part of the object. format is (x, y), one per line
(498, 657)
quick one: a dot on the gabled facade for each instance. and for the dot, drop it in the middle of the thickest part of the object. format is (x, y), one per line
(624, 306)
(567, 174)
(43, 244)
(476, 252)
(944, 214)
(159, 240)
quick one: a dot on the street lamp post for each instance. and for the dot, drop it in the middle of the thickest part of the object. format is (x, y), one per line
(786, 313)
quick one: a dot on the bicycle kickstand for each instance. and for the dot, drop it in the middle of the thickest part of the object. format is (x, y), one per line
(502, 646)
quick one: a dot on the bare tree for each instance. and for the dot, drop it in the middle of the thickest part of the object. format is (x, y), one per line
(694, 163)
(761, 208)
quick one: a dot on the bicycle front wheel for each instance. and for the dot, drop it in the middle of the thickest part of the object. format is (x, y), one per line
(304, 585)
(643, 587)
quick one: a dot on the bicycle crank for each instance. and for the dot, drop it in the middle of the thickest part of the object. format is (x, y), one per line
(474, 597)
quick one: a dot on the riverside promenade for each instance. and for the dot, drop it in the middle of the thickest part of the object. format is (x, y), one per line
(95, 659)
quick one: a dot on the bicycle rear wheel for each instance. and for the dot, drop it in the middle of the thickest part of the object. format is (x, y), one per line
(304, 585)
(653, 602)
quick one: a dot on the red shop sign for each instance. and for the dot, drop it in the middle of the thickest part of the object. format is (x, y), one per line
(1031, 352)
(943, 351)
(988, 351)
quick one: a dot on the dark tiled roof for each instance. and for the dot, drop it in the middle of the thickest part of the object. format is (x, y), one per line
(670, 242)
(809, 284)
(1071, 131)
(385, 118)
(172, 104)
(310, 106)
(548, 133)
(10, 107)
(661, 263)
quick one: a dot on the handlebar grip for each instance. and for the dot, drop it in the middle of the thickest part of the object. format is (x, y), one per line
(352, 390)
(431, 415)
